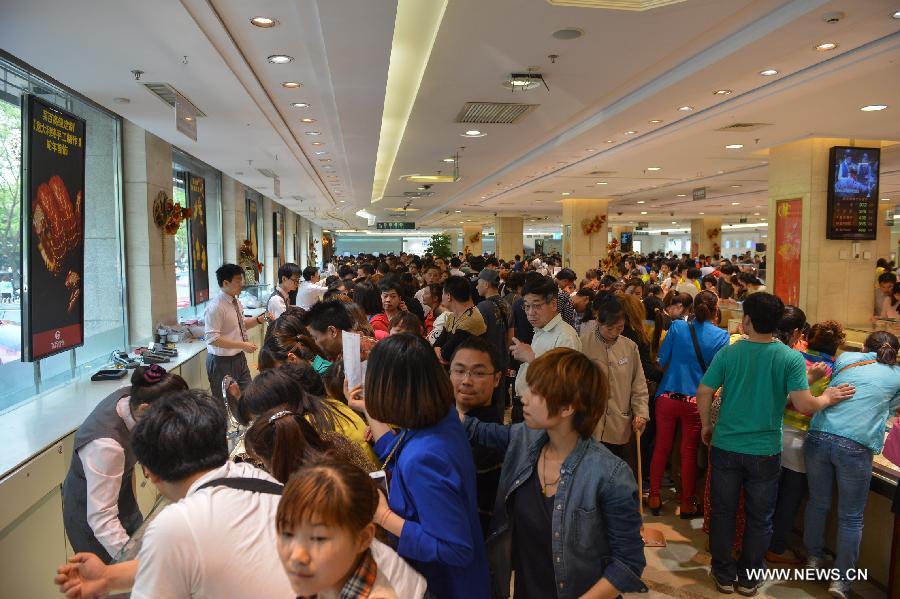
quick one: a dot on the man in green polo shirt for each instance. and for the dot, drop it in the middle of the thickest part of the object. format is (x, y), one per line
(756, 376)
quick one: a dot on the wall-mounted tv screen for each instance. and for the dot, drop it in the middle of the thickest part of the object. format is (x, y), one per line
(852, 193)
(625, 241)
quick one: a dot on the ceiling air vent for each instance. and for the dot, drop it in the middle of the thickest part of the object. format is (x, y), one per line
(744, 127)
(267, 173)
(601, 173)
(543, 191)
(167, 93)
(493, 112)
(418, 194)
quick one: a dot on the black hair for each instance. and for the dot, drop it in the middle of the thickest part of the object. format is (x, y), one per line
(764, 310)
(458, 288)
(226, 272)
(324, 314)
(455, 262)
(408, 323)
(793, 319)
(391, 283)
(881, 263)
(885, 346)
(476, 263)
(309, 272)
(887, 277)
(515, 280)
(288, 270)
(566, 274)
(368, 298)
(747, 278)
(608, 310)
(345, 271)
(704, 306)
(608, 281)
(709, 279)
(367, 268)
(149, 384)
(181, 434)
(543, 287)
(693, 273)
(480, 344)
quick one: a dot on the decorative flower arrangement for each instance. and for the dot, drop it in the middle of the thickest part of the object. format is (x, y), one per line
(593, 225)
(612, 246)
(713, 233)
(475, 238)
(168, 215)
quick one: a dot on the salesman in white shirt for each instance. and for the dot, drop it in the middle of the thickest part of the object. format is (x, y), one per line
(217, 537)
(226, 332)
(288, 281)
(310, 291)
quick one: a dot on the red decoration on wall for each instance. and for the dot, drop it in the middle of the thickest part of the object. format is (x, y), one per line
(788, 235)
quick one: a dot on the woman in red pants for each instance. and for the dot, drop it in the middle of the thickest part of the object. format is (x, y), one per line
(687, 350)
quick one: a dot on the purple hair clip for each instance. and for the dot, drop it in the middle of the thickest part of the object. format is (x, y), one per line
(154, 374)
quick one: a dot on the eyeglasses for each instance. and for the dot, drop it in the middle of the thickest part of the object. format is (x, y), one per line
(475, 374)
(533, 307)
(297, 280)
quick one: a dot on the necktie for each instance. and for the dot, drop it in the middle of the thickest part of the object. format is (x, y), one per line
(240, 317)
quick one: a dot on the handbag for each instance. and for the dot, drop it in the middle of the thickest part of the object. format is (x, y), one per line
(891, 449)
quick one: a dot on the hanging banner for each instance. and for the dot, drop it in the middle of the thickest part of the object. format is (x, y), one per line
(53, 155)
(788, 235)
(197, 239)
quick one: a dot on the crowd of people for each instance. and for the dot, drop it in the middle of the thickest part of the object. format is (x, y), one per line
(489, 450)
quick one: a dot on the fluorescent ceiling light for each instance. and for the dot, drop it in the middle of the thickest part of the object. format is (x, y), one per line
(415, 30)
(734, 146)
(735, 203)
(449, 160)
(654, 168)
(826, 46)
(280, 59)
(307, 121)
(641, 201)
(428, 178)
(264, 22)
(873, 107)
(885, 199)
(364, 214)
(644, 212)
(601, 183)
(768, 72)
(300, 105)
(681, 195)
(291, 85)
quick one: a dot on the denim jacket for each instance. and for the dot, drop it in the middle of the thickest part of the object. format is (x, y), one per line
(596, 524)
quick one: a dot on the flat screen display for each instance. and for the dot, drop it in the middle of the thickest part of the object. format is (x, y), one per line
(853, 193)
(625, 241)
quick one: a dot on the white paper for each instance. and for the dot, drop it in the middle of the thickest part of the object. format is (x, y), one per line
(353, 370)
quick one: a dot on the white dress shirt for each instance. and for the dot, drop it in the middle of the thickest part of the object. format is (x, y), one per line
(103, 461)
(308, 294)
(419, 295)
(556, 333)
(221, 322)
(277, 304)
(217, 542)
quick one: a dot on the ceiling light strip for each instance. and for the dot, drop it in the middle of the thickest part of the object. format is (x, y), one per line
(415, 31)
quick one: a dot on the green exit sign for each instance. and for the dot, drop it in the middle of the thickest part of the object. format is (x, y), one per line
(394, 226)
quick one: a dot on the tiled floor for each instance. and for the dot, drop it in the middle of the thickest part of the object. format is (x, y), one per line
(681, 569)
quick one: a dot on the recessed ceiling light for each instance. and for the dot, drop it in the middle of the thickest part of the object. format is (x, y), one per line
(756, 214)
(421, 188)
(324, 159)
(826, 46)
(896, 15)
(300, 105)
(734, 146)
(292, 85)
(601, 183)
(280, 59)
(449, 160)
(735, 203)
(701, 213)
(873, 107)
(629, 132)
(314, 133)
(685, 108)
(654, 121)
(566, 193)
(264, 22)
(307, 120)
(457, 211)
(318, 143)
(722, 92)
(736, 185)
(654, 168)
(610, 141)
(461, 222)
(342, 201)
(885, 199)
(674, 222)
(643, 212)
(681, 195)
(641, 202)
(768, 72)
(473, 133)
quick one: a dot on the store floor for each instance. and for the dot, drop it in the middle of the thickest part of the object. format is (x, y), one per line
(681, 569)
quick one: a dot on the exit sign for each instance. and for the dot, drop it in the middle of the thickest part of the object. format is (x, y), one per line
(699, 193)
(394, 226)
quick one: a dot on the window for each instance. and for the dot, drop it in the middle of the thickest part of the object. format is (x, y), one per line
(103, 288)
(182, 164)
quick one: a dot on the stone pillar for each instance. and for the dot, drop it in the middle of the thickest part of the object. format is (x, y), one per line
(509, 239)
(270, 268)
(234, 218)
(582, 251)
(836, 278)
(472, 235)
(706, 236)
(150, 255)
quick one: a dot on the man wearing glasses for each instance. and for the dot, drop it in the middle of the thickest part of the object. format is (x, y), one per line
(539, 302)
(288, 281)
(475, 373)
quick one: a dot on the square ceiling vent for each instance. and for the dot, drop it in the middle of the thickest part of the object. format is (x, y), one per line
(504, 113)
(167, 94)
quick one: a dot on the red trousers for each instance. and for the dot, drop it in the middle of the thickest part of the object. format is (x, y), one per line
(669, 412)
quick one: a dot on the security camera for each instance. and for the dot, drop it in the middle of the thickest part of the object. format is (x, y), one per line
(671, 214)
(833, 17)
(427, 186)
(495, 214)
(619, 213)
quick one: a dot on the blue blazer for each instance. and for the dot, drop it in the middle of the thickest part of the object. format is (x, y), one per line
(433, 489)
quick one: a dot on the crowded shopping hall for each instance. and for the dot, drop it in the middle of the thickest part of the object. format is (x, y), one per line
(449, 299)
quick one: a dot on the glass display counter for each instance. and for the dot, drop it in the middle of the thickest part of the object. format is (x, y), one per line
(255, 296)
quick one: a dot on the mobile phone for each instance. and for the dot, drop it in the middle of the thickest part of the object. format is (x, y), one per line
(380, 479)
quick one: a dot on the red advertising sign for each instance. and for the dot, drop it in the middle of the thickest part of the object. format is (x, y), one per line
(53, 207)
(788, 234)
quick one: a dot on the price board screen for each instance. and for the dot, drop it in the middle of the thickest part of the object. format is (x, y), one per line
(853, 193)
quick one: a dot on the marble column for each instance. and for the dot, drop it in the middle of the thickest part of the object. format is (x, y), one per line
(472, 236)
(706, 236)
(508, 237)
(583, 250)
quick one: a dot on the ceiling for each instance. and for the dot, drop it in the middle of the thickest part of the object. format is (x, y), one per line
(627, 70)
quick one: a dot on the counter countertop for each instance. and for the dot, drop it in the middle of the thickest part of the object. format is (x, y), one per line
(31, 427)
